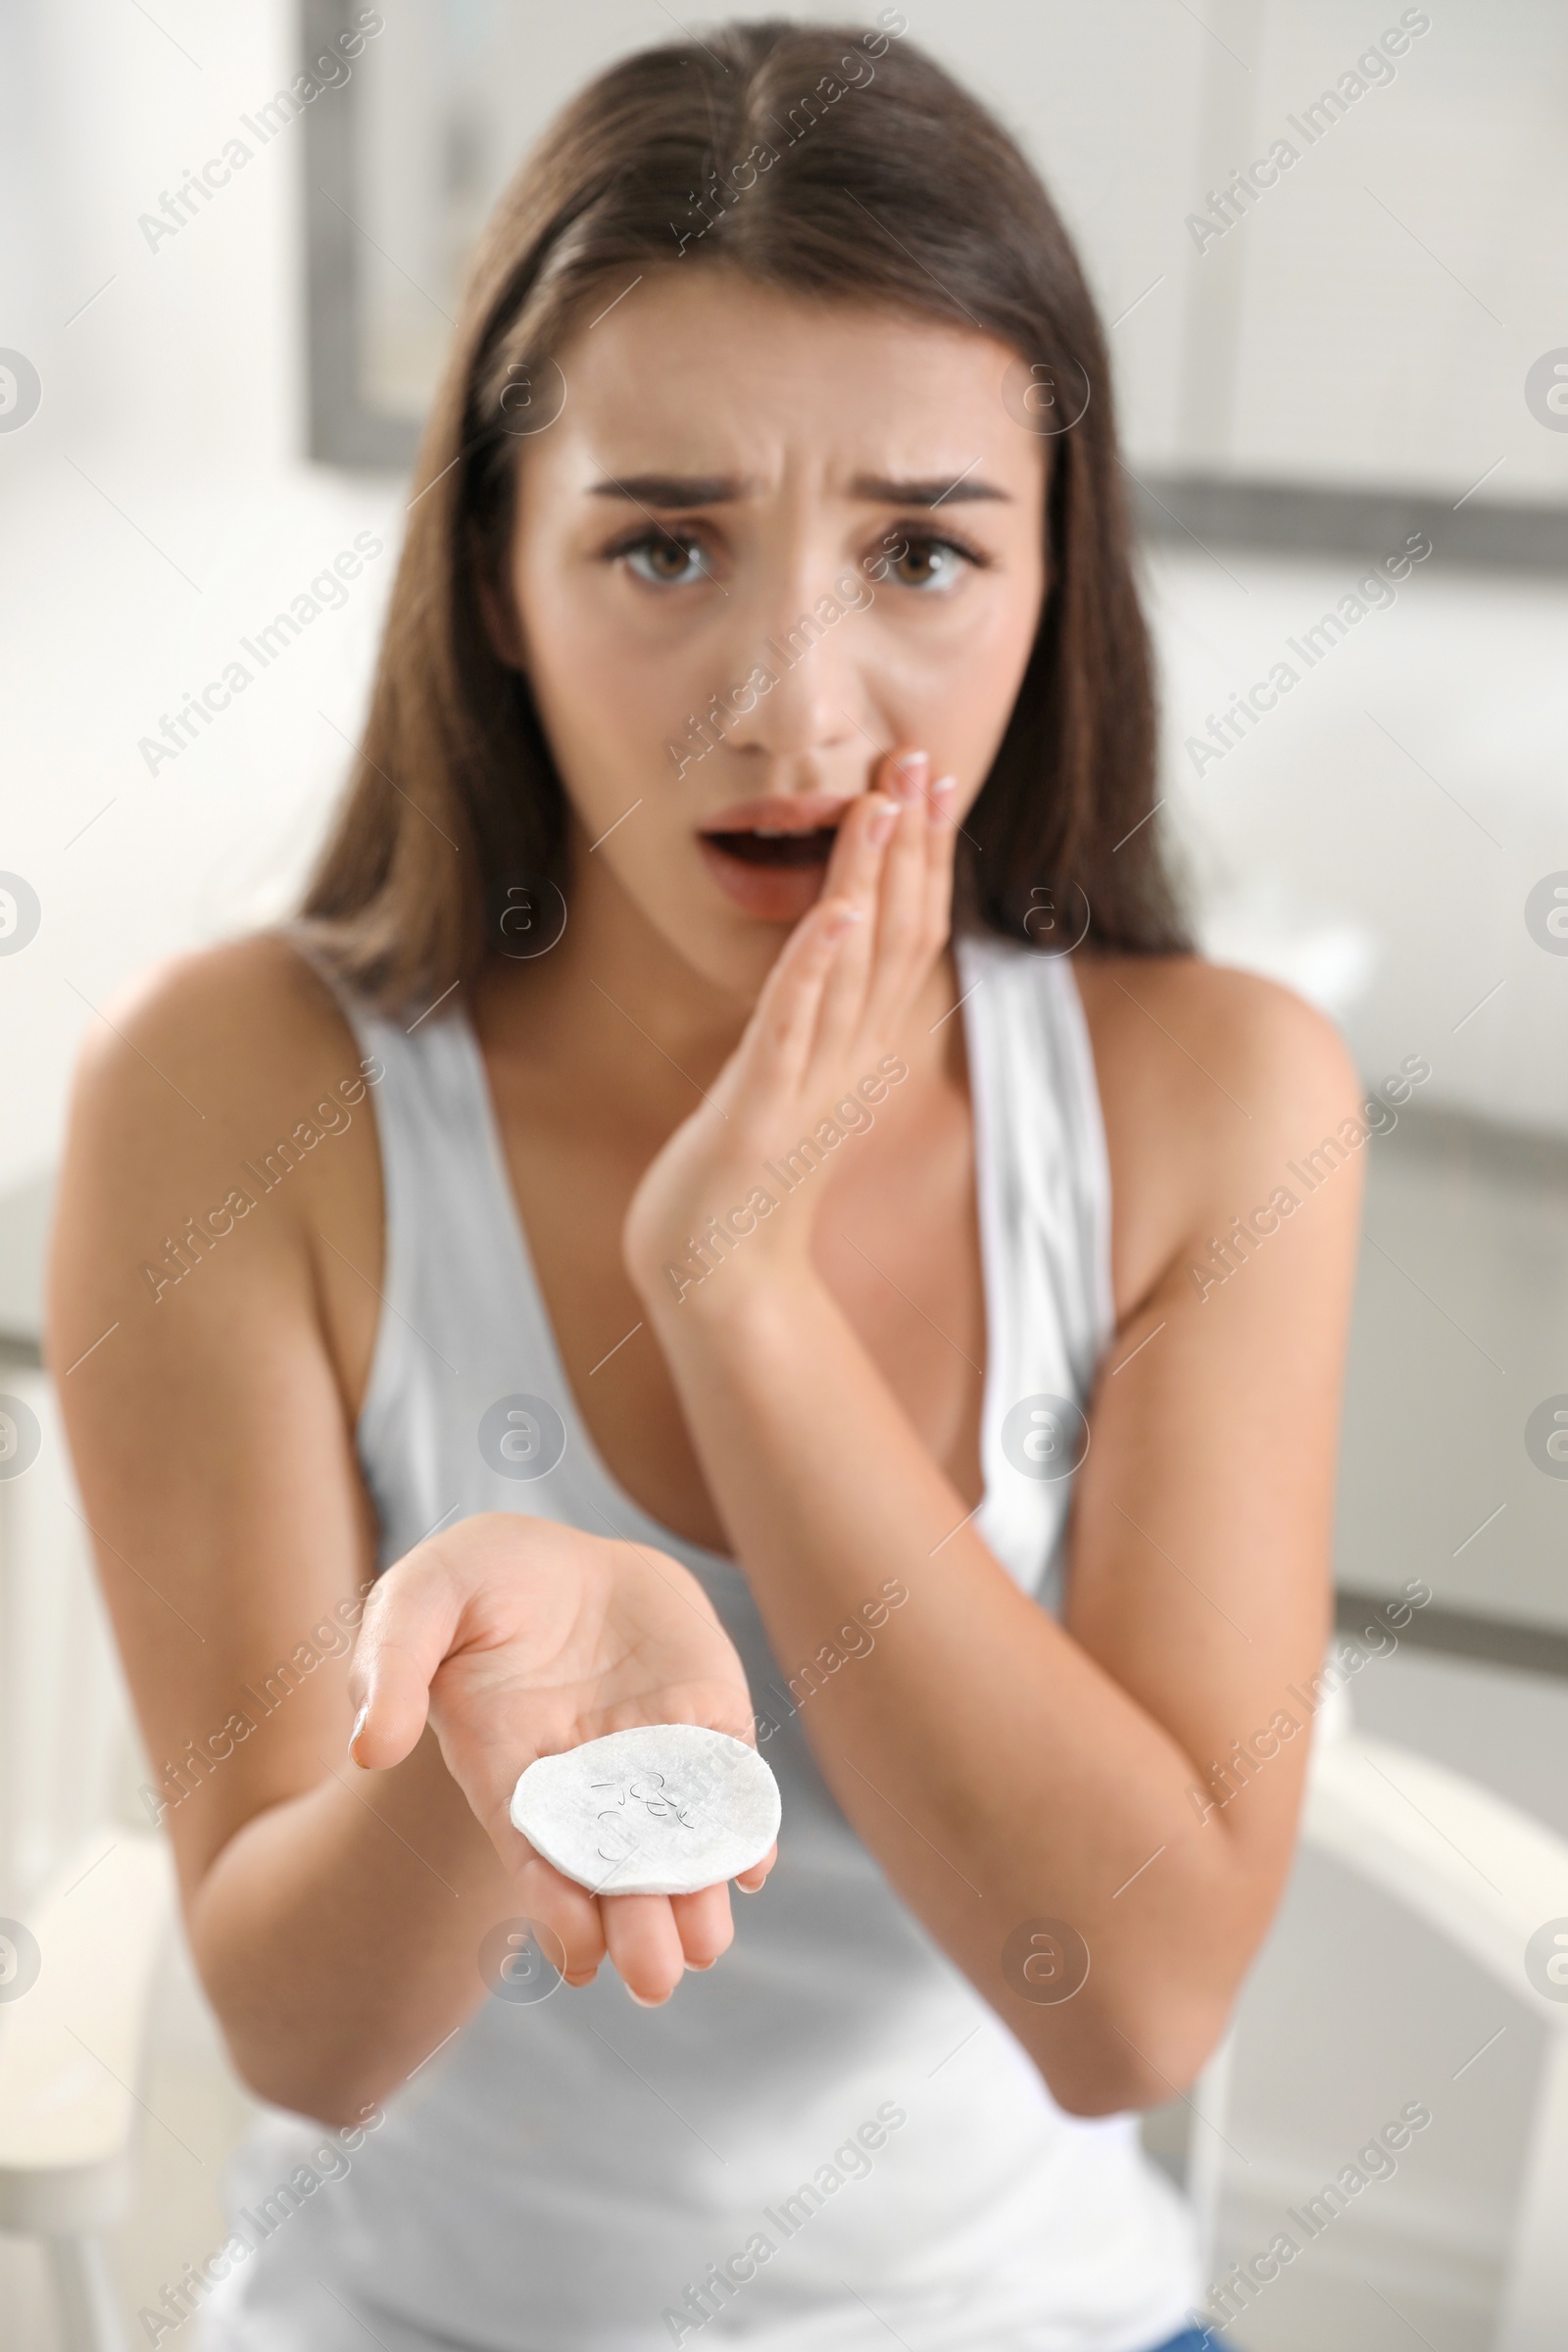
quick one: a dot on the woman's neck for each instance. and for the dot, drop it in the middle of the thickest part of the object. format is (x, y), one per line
(613, 1011)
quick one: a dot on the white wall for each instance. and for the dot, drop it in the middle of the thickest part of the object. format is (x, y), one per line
(153, 511)
(1409, 789)
(156, 509)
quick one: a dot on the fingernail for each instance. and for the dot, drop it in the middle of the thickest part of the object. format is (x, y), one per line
(843, 918)
(943, 794)
(910, 774)
(642, 2004)
(359, 1726)
(879, 827)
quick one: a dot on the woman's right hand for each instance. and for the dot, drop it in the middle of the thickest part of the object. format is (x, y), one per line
(517, 1638)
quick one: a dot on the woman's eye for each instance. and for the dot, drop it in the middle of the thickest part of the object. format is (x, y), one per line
(665, 562)
(929, 563)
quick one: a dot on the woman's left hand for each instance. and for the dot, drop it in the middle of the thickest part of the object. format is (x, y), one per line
(833, 1009)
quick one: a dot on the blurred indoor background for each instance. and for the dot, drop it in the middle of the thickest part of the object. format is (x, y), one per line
(1316, 369)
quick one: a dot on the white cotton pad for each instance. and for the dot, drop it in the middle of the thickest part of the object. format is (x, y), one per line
(665, 1809)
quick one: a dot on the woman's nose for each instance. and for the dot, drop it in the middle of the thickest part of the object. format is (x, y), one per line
(804, 657)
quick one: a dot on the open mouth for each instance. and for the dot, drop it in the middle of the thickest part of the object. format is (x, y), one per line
(763, 846)
(771, 855)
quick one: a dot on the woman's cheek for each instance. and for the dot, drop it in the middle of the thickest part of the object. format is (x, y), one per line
(948, 689)
(961, 679)
(599, 739)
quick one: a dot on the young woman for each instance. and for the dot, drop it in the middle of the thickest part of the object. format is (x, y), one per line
(737, 1141)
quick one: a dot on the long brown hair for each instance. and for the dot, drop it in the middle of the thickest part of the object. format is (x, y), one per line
(887, 182)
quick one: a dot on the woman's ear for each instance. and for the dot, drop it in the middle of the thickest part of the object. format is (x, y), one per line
(501, 625)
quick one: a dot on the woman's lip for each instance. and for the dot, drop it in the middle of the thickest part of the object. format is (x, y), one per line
(774, 894)
(805, 812)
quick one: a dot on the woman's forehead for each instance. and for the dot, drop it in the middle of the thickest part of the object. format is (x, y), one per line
(704, 375)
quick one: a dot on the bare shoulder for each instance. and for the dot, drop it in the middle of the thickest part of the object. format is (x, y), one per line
(1148, 1014)
(1211, 1081)
(209, 1088)
(241, 1022)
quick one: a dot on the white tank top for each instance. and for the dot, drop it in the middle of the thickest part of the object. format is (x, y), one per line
(565, 2170)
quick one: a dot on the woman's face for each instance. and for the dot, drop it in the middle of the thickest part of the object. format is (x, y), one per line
(767, 539)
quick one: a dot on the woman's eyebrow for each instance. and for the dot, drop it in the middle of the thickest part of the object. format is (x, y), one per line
(672, 489)
(937, 492)
(675, 491)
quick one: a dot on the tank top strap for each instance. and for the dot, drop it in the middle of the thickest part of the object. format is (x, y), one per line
(1039, 1131)
(1044, 1198)
(456, 1284)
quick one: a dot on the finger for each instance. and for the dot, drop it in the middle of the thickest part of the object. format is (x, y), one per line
(942, 835)
(703, 1925)
(884, 785)
(751, 1882)
(788, 1011)
(906, 776)
(784, 1024)
(902, 948)
(860, 859)
(571, 1927)
(872, 856)
(644, 1945)
(860, 850)
(856, 855)
(405, 1632)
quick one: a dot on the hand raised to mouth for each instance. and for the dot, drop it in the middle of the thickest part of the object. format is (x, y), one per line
(833, 1010)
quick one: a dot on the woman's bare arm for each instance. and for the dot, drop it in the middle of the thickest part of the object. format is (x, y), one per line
(335, 1914)
(1007, 1769)
(331, 1914)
